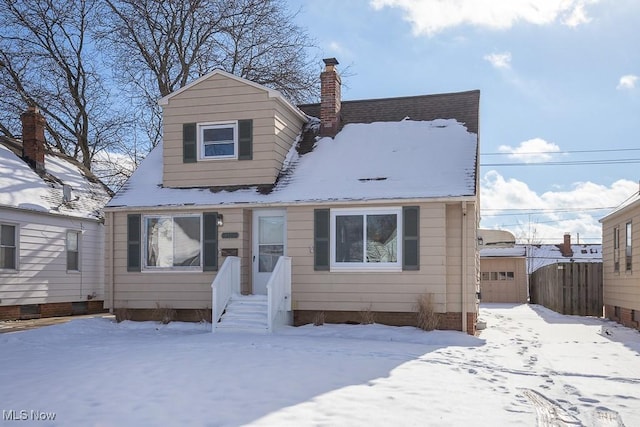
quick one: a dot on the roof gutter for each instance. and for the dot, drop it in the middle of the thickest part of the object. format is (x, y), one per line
(232, 205)
(55, 215)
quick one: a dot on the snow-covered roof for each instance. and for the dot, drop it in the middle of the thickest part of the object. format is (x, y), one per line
(23, 188)
(365, 161)
(543, 255)
(515, 251)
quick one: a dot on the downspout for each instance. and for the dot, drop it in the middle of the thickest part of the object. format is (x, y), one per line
(111, 266)
(464, 267)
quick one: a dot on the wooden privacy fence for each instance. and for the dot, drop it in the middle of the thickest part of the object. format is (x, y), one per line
(568, 288)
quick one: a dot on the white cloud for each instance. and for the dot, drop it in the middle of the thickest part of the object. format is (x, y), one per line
(336, 47)
(499, 60)
(532, 151)
(544, 218)
(577, 17)
(627, 82)
(432, 16)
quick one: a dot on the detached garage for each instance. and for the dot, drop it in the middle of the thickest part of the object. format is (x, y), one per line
(503, 275)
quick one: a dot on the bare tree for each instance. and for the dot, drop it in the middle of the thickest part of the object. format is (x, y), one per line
(159, 47)
(48, 61)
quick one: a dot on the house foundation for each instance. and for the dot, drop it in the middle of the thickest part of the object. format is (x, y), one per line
(447, 321)
(55, 309)
(625, 316)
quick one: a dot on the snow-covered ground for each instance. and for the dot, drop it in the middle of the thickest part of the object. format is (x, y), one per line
(530, 366)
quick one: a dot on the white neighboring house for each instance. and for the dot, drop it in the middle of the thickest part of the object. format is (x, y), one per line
(51, 229)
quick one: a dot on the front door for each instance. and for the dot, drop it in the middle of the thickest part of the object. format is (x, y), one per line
(269, 243)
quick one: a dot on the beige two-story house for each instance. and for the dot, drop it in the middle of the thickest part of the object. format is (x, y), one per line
(318, 212)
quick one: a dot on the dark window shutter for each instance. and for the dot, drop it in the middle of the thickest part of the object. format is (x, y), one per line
(245, 139)
(210, 244)
(133, 242)
(189, 143)
(321, 239)
(411, 238)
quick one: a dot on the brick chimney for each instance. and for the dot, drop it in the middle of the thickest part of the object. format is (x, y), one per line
(329, 98)
(565, 249)
(33, 124)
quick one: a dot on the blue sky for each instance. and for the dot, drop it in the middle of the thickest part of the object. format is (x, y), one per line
(556, 77)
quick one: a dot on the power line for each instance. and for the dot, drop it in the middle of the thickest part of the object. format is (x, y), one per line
(610, 150)
(535, 211)
(568, 163)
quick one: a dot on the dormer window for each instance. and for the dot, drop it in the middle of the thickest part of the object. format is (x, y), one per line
(218, 140)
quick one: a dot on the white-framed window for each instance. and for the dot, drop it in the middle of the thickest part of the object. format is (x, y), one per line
(218, 140)
(616, 249)
(73, 250)
(627, 251)
(8, 247)
(366, 239)
(172, 242)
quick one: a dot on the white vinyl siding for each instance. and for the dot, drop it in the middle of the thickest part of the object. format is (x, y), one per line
(42, 276)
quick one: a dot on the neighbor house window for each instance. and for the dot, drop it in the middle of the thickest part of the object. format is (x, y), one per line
(172, 242)
(616, 249)
(218, 140)
(366, 239)
(498, 275)
(8, 248)
(73, 251)
(628, 247)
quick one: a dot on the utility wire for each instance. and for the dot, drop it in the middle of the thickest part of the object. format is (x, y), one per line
(525, 211)
(568, 163)
(610, 150)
